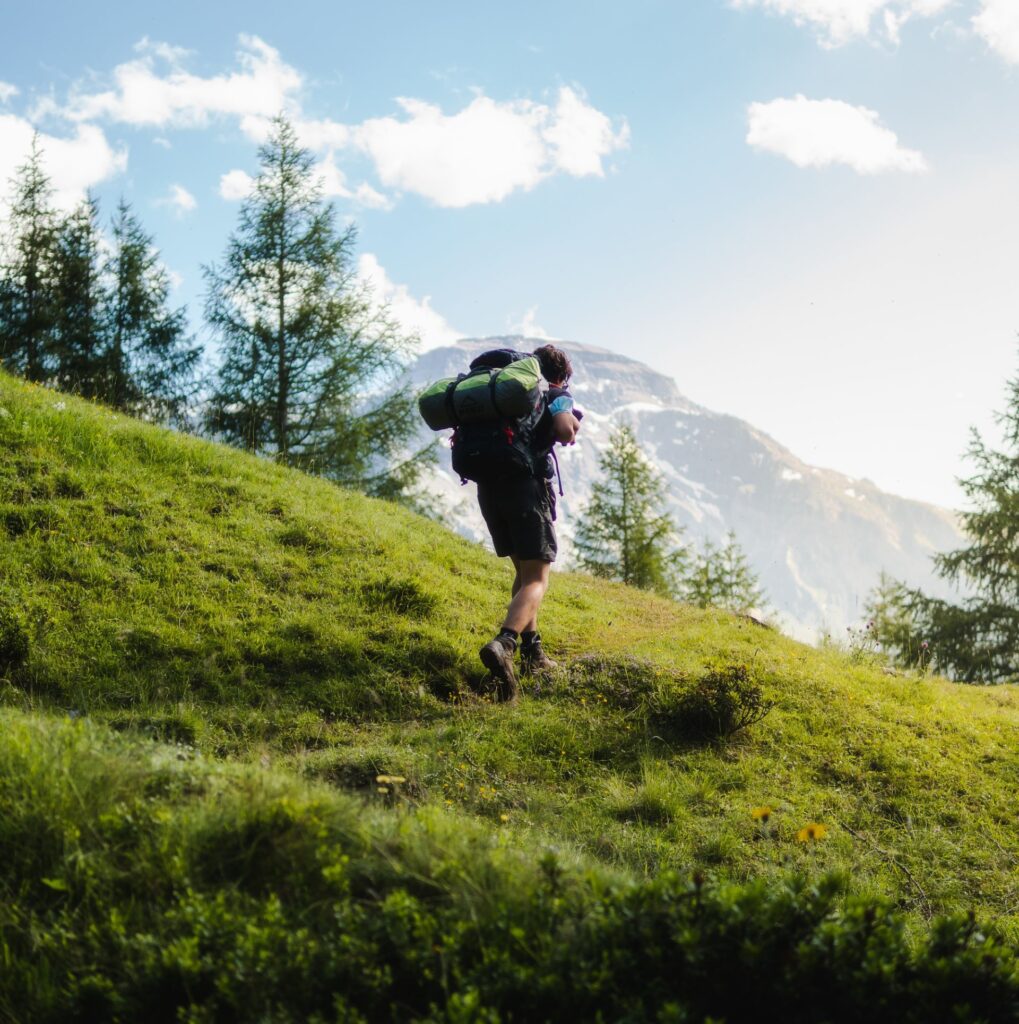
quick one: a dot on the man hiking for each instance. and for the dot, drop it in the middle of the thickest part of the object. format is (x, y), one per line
(520, 512)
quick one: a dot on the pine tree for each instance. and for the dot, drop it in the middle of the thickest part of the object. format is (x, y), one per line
(309, 362)
(623, 533)
(151, 362)
(27, 302)
(721, 577)
(80, 296)
(976, 640)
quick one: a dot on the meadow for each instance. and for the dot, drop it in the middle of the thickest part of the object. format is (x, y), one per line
(249, 771)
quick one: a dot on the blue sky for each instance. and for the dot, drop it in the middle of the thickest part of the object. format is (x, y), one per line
(804, 210)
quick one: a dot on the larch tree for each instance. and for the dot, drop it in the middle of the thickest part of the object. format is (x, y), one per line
(310, 364)
(80, 304)
(151, 360)
(976, 639)
(624, 533)
(89, 314)
(720, 576)
(28, 306)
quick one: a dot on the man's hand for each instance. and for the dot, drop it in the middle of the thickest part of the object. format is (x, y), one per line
(565, 427)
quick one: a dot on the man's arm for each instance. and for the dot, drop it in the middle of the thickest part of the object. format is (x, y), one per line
(565, 427)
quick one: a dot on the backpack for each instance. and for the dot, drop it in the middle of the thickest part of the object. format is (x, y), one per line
(499, 385)
(495, 409)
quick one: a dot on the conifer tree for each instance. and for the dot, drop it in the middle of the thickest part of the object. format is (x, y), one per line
(977, 639)
(721, 577)
(309, 361)
(80, 304)
(27, 302)
(623, 533)
(151, 362)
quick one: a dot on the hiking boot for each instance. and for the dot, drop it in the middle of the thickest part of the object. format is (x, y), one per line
(497, 657)
(533, 659)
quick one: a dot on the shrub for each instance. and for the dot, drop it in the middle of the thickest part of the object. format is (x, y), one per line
(723, 701)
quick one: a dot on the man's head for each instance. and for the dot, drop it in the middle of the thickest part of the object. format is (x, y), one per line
(555, 364)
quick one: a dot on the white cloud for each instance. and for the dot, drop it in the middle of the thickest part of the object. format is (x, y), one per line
(998, 24)
(180, 199)
(166, 51)
(155, 90)
(8, 91)
(371, 198)
(332, 179)
(480, 154)
(530, 328)
(334, 184)
(840, 21)
(488, 149)
(580, 136)
(74, 163)
(415, 315)
(236, 184)
(819, 133)
(322, 135)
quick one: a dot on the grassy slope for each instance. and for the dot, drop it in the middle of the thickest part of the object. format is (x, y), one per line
(204, 597)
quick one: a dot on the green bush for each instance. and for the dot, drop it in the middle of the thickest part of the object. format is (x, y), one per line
(725, 700)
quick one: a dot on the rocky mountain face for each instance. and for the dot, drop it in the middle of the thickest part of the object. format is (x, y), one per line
(817, 539)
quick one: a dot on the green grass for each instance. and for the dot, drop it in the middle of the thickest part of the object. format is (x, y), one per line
(186, 593)
(143, 882)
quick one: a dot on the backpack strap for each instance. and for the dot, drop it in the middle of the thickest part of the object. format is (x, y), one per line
(450, 388)
(559, 476)
(491, 389)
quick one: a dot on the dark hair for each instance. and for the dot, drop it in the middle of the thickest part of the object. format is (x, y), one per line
(555, 364)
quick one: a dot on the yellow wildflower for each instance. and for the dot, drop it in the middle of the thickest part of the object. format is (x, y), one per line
(386, 780)
(761, 813)
(504, 817)
(811, 833)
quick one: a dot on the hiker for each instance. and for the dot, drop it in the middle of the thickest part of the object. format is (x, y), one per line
(520, 511)
(507, 413)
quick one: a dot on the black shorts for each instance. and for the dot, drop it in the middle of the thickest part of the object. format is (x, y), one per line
(520, 512)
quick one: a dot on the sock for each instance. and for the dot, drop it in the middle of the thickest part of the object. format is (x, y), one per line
(510, 634)
(529, 637)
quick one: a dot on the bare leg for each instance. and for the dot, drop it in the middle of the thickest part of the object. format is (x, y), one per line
(528, 591)
(532, 626)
